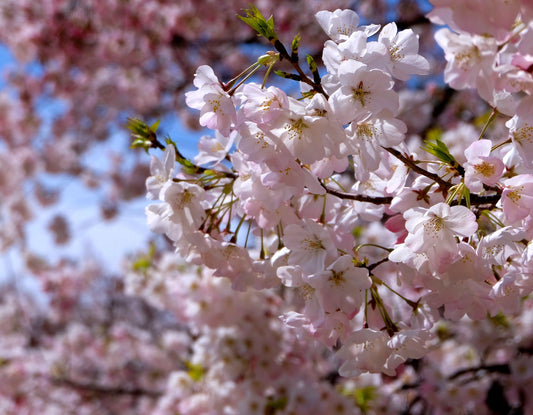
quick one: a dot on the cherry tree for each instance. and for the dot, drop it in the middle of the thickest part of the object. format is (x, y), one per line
(338, 245)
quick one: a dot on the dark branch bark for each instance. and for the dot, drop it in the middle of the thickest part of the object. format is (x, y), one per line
(376, 200)
(106, 390)
(417, 169)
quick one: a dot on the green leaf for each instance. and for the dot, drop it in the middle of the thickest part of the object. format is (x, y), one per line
(311, 63)
(295, 45)
(361, 396)
(155, 125)
(364, 396)
(274, 405)
(466, 195)
(357, 231)
(499, 320)
(256, 21)
(195, 371)
(141, 133)
(140, 143)
(314, 68)
(434, 134)
(144, 261)
(437, 148)
(482, 119)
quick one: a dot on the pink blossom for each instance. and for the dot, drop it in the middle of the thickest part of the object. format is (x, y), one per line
(310, 244)
(161, 171)
(363, 91)
(340, 24)
(492, 17)
(468, 57)
(480, 167)
(365, 350)
(402, 48)
(217, 110)
(341, 286)
(517, 197)
(521, 131)
(432, 231)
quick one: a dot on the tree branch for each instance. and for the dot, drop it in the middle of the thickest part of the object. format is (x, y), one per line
(105, 390)
(376, 200)
(413, 166)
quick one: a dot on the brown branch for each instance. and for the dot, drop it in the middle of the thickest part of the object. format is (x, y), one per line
(496, 368)
(475, 199)
(294, 62)
(105, 390)
(376, 264)
(376, 200)
(414, 167)
(478, 200)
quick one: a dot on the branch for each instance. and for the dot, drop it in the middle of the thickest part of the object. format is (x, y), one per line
(294, 62)
(501, 368)
(413, 166)
(105, 390)
(376, 200)
(475, 199)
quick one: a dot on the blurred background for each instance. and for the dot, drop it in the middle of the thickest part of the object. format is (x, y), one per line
(73, 71)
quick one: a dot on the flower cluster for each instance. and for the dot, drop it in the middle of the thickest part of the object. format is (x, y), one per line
(75, 68)
(357, 244)
(322, 197)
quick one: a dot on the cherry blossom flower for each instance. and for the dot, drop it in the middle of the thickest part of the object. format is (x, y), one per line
(365, 350)
(367, 137)
(212, 150)
(498, 246)
(480, 167)
(161, 172)
(363, 91)
(433, 231)
(340, 24)
(306, 134)
(296, 191)
(463, 288)
(517, 198)
(310, 244)
(217, 110)
(407, 344)
(521, 131)
(492, 17)
(353, 48)
(402, 48)
(262, 105)
(341, 286)
(468, 57)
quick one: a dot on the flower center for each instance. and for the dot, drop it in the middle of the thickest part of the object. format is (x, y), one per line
(295, 128)
(360, 94)
(395, 53)
(515, 195)
(365, 131)
(524, 134)
(434, 225)
(337, 278)
(313, 244)
(485, 169)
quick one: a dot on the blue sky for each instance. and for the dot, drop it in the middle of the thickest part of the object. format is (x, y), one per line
(106, 241)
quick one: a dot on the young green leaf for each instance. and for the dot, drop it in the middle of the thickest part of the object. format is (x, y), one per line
(295, 45)
(256, 21)
(288, 75)
(437, 148)
(143, 136)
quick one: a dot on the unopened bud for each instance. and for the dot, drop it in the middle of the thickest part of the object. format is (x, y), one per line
(269, 58)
